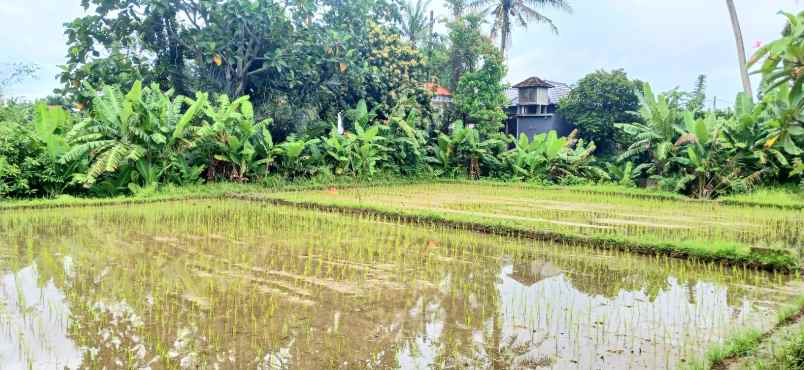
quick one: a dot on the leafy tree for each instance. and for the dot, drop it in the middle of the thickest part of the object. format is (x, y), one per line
(456, 8)
(300, 62)
(238, 45)
(112, 45)
(508, 13)
(465, 46)
(479, 96)
(395, 71)
(600, 100)
(29, 153)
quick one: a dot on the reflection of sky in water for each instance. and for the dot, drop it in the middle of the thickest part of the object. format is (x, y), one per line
(33, 324)
(546, 322)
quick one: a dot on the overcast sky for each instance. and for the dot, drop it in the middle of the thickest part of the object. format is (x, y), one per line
(665, 42)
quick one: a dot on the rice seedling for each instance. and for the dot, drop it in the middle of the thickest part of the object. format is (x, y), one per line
(743, 234)
(235, 284)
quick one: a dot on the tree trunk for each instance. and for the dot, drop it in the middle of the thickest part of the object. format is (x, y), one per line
(474, 168)
(738, 36)
(506, 33)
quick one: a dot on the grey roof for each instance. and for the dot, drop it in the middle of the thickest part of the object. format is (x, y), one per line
(557, 92)
(554, 94)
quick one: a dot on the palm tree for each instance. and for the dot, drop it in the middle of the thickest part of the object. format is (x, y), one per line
(521, 12)
(738, 37)
(415, 23)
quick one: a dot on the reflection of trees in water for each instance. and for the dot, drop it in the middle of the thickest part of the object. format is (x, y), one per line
(193, 281)
(340, 329)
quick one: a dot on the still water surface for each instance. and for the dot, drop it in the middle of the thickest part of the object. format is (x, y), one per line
(233, 285)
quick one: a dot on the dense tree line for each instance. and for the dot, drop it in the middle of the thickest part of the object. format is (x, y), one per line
(184, 91)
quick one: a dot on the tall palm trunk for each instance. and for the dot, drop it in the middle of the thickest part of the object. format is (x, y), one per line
(738, 36)
(506, 31)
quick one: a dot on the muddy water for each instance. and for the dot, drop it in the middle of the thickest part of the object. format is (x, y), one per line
(235, 285)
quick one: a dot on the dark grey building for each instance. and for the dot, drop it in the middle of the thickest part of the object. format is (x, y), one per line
(533, 108)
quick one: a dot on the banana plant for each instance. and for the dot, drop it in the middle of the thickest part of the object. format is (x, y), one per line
(471, 150)
(293, 159)
(785, 112)
(552, 158)
(134, 132)
(366, 150)
(576, 162)
(782, 69)
(530, 159)
(336, 149)
(653, 137)
(51, 128)
(443, 158)
(744, 138)
(706, 171)
(624, 174)
(115, 138)
(405, 142)
(48, 124)
(238, 148)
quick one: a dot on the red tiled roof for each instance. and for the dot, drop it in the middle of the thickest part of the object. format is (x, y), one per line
(436, 89)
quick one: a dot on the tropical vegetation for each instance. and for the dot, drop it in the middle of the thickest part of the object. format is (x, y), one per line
(222, 104)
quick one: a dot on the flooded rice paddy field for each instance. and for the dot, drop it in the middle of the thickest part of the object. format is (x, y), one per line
(578, 212)
(238, 285)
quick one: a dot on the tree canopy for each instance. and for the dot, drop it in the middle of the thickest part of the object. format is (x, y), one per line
(600, 100)
(301, 62)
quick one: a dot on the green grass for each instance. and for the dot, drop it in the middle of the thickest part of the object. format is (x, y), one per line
(740, 344)
(627, 190)
(784, 344)
(788, 311)
(779, 196)
(789, 357)
(202, 191)
(164, 194)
